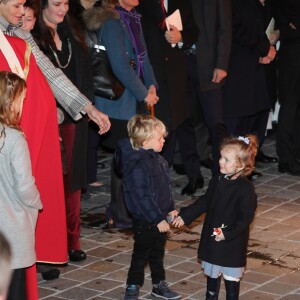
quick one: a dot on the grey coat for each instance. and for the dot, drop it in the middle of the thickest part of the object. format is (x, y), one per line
(19, 198)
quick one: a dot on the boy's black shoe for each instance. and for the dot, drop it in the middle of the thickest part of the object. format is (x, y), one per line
(132, 292)
(162, 291)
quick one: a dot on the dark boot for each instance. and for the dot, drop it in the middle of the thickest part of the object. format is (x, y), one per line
(232, 290)
(213, 288)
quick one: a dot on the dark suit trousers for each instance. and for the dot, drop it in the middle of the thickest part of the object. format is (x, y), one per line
(289, 98)
(211, 104)
(187, 145)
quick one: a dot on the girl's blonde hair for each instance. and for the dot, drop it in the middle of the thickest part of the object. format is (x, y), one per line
(11, 88)
(142, 127)
(246, 149)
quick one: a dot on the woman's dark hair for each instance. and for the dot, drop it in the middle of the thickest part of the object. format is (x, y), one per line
(43, 34)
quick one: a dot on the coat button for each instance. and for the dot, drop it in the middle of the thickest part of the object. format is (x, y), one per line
(166, 59)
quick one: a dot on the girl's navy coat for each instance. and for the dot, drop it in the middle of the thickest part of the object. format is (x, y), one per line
(146, 183)
(228, 202)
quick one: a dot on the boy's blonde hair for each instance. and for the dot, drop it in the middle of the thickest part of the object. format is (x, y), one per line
(142, 127)
(246, 149)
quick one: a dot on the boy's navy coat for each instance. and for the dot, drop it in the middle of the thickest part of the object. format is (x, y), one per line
(146, 183)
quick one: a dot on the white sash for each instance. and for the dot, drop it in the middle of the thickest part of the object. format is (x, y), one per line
(10, 56)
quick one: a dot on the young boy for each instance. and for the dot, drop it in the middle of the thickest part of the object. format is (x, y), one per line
(148, 198)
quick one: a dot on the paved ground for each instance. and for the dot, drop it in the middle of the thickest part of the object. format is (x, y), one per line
(273, 268)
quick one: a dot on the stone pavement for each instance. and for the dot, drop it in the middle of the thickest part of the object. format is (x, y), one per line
(273, 265)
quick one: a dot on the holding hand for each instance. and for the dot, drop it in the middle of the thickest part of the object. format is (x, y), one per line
(178, 222)
(163, 226)
(173, 36)
(171, 216)
(270, 56)
(151, 98)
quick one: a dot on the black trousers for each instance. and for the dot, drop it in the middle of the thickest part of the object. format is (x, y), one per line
(289, 98)
(211, 104)
(185, 134)
(255, 124)
(93, 143)
(149, 247)
(17, 287)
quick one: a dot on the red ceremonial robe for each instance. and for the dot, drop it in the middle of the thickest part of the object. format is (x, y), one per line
(39, 123)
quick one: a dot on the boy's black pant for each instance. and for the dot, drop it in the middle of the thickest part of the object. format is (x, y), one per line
(149, 247)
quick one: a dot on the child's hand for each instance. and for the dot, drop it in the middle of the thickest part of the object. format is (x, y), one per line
(163, 226)
(219, 236)
(178, 222)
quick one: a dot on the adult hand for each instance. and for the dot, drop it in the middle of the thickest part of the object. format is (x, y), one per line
(151, 98)
(152, 89)
(173, 36)
(274, 37)
(272, 53)
(98, 117)
(264, 60)
(163, 226)
(218, 75)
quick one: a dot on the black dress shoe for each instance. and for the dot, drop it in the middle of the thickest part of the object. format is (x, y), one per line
(192, 186)
(51, 274)
(289, 169)
(48, 271)
(254, 175)
(261, 157)
(77, 255)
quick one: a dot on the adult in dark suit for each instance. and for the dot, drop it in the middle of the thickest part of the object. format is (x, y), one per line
(171, 75)
(246, 102)
(287, 17)
(207, 64)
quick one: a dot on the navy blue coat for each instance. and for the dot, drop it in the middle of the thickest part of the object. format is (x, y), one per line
(146, 183)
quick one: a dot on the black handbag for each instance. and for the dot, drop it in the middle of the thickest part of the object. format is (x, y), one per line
(106, 84)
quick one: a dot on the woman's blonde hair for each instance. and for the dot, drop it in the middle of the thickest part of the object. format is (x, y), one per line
(246, 149)
(11, 88)
(142, 127)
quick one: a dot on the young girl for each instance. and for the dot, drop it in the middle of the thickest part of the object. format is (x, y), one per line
(229, 202)
(19, 197)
